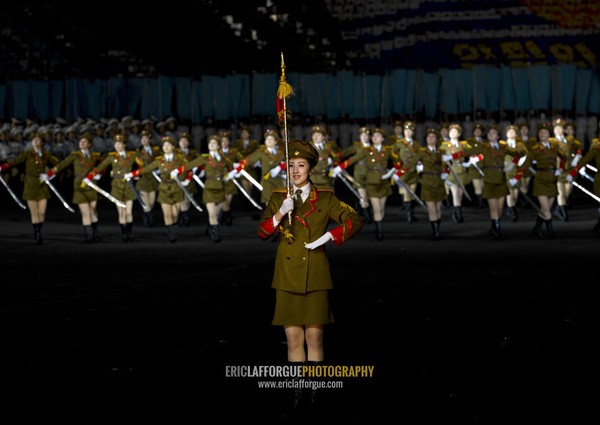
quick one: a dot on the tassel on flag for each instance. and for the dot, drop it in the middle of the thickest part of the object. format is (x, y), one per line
(284, 91)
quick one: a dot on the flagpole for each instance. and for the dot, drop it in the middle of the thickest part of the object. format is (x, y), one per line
(283, 92)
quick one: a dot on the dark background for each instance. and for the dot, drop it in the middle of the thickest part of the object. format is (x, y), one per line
(466, 329)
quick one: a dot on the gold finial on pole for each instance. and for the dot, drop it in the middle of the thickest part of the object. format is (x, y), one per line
(284, 91)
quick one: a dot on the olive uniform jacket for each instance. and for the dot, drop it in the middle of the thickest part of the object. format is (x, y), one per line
(169, 191)
(327, 157)
(461, 172)
(216, 170)
(593, 154)
(147, 182)
(360, 167)
(120, 165)
(545, 160)
(233, 155)
(34, 189)
(406, 151)
(82, 165)
(268, 161)
(432, 185)
(298, 269)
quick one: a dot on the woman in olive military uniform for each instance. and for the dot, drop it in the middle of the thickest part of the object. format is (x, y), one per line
(571, 149)
(379, 158)
(233, 155)
(474, 174)
(545, 154)
(121, 163)
(272, 159)
(510, 170)
(35, 191)
(216, 168)
(491, 154)
(147, 184)
(189, 154)
(83, 161)
(405, 150)
(170, 194)
(592, 155)
(432, 172)
(246, 146)
(459, 174)
(302, 279)
(359, 172)
(328, 156)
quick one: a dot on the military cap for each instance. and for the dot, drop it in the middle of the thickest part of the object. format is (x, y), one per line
(120, 138)
(494, 127)
(168, 139)
(184, 135)
(318, 129)
(145, 133)
(214, 137)
(456, 126)
(225, 133)
(397, 123)
(431, 130)
(364, 130)
(302, 149)
(272, 132)
(512, 127)
(559, 122)
(409, 125)
(478, 126)
(544, 126)
(378, 130)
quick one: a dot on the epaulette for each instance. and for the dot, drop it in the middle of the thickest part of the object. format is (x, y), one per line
(502, 142)
(279, 190)
(113, 153)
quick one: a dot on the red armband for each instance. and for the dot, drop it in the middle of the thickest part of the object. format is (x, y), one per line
(5, 166)
(50, 173)
(89, 176)
(458, 154)
(136, 172)
(283, 165)
(573, 172)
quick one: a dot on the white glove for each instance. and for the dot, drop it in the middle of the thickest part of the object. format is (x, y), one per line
(396, 177)
(202, 173)
(446, 158)
(513, 182)
(174, 173)
(337, 170)
(275, 171)
(185, 182)
(97, 177)
(582, 171)
(329, 162)
(473, 159)
(522, 160)
(86, 180)
(321, 241)
(575, 160)
(128, 176)
(557, 172)
(569, 178)
(534, 162)
(44, 177)
(236, 164)
(287, 205)
(195, 170)
(388, 174)
(231, 175)
(419, 167)
(466, 164)
(444, 176)
(509, 167)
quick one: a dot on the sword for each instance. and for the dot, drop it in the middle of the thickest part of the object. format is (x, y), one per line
(478, 169)
(587, 192)
(528, 199)
(137, 194)
(349, 177)
(591, 167)
(246, 194)
(462, 186)
(156, 176)
(58, 195)
(105, 194)
(345, 180)
(199, 180)
(17, 200)
(188, 196)
(413, 194)
(587, 176)
(251, 179)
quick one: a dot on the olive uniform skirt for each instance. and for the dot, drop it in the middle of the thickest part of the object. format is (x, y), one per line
(311, 308)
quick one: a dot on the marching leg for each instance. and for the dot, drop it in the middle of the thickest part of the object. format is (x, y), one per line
(435, 230)
(379, 230)
(124, 234)
(37, 233)
(537, 229)
(128, 230)
(89, 234)
(171, 233)
(213, 231)
(549, 229)
(95, 232)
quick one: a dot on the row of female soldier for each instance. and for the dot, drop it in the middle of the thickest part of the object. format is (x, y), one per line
(500, 171)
